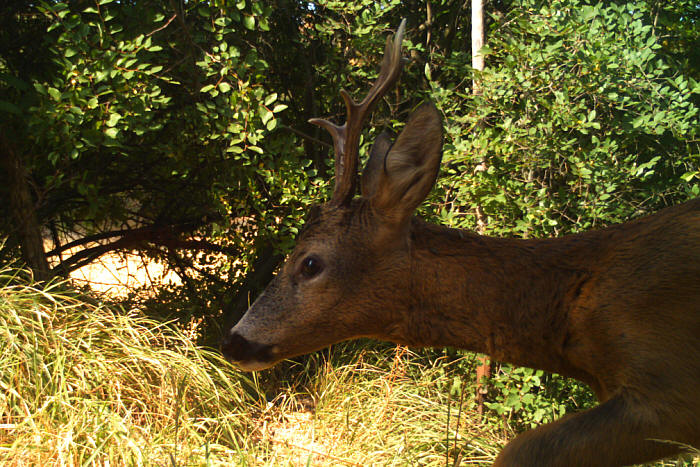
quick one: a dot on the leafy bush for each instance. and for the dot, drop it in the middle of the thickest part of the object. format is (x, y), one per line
(582, 121)
(525, 398)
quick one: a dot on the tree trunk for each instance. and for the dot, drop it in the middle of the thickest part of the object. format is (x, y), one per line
(484, 368)
(477, 41)
(27, 228)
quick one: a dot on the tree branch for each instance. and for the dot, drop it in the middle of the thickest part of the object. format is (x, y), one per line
(133, 239)
(154, 230)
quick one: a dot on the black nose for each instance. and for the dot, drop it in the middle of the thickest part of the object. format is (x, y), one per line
(237, 348)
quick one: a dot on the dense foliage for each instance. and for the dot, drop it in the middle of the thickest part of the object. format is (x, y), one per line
(179, 129)
(583, 121)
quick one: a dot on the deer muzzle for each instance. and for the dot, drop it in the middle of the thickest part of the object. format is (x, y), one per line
(248, 355)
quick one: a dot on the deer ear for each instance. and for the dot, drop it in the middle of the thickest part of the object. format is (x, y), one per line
(375, 163)
(410, 167)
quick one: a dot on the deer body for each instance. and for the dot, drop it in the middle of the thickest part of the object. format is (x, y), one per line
(617, 308)
(580, 305)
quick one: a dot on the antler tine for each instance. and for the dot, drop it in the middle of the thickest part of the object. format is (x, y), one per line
(346, 137)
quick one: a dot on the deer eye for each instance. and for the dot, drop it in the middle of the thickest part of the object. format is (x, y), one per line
(311, 266)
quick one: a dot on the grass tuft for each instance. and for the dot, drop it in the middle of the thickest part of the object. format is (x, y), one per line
(82, 384)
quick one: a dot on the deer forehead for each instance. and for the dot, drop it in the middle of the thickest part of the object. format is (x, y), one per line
(339, 232)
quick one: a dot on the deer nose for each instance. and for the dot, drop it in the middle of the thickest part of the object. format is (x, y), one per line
(237, 348)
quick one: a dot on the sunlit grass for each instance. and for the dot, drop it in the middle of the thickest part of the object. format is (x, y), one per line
(81, 384)
(407, 409)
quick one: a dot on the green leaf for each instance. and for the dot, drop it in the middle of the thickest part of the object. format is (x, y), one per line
(588, 12)
(54, 93)
(279, 108)
(222, 21)
(270, 99)
(112, 132)
(688, 176)
(512, 400)
(224, 87)
(639, 121)
(113, 119)
(249, 22)
(485, 50)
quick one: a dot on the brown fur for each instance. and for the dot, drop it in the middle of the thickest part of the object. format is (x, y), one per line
(618, 308)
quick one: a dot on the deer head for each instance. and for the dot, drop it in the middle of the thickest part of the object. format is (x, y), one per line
(345, 276)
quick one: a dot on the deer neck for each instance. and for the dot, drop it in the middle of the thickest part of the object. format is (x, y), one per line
(508, 298)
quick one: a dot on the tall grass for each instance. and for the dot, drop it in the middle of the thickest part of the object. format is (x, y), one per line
(393, 407)
(83, 384)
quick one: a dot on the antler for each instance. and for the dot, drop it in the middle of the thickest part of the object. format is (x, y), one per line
(346, 138)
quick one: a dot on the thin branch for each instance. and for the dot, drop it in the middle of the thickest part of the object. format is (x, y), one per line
(139, 231)
(89, 239)
(163, 26)
(88, 255)
(201, 245)
(306, 136)
(133, 239)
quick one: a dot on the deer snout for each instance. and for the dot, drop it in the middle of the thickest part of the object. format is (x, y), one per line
(247, 354)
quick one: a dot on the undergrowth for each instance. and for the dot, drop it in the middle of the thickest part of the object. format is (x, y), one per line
(81, 384)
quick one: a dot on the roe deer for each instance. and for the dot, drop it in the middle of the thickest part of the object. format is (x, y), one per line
(617, 308)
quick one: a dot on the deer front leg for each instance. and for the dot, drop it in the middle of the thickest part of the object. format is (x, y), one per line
(618, 432)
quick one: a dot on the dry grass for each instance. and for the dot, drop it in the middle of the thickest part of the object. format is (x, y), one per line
(82, 385)
(387, 407)
(375, 411)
